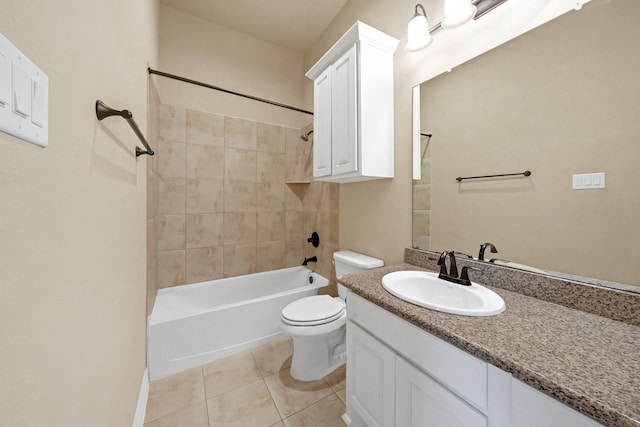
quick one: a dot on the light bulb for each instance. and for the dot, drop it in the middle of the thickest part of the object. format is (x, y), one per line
(457, 12)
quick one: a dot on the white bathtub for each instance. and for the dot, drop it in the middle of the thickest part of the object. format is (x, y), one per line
(198, 323)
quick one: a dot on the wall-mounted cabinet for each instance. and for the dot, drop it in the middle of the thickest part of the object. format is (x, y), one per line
(353, 107)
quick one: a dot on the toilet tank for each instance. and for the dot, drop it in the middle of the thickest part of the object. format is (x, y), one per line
(352, 262)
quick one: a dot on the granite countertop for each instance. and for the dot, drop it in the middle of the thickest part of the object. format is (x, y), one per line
(589, 362)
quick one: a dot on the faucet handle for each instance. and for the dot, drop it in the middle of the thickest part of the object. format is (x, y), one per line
(463, 253)
(441, 263)
(464, 275)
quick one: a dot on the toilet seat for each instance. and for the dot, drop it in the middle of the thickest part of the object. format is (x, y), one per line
(313, 310)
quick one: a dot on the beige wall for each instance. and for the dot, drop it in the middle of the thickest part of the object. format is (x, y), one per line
(375, 217)
(555, 111)
(225, 202)
(72, 258)
(207, 52)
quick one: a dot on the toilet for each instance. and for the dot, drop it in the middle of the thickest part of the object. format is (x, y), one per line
(317, 323)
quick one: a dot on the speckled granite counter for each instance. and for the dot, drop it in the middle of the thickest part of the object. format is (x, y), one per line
(589, 362)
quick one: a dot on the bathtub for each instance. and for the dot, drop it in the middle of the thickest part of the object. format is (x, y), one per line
(194, 324)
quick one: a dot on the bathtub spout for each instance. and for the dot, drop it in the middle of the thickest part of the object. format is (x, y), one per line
(308, 260)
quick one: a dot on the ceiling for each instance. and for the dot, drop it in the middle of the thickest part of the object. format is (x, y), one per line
(294, 24)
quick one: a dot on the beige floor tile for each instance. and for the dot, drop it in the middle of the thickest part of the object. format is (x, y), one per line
(247, 406)
(280, 424)
(193, 416)
(327, 412)
(337, 379)
(292, 396)
(274, 357)
(174, 393)
(229, 373)
(342, 395)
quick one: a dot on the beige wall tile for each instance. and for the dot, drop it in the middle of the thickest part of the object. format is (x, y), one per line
(293, 164)
(250, 405)
(170, 231)
(152, 194)
(293, 225)
(172, 123)
(152, 264)
(239, 227)
(240, 196)
(421, 223)
(292, 396)
(205, 128)
(204, 230)
(192, 416)
(312, 198)
(270, 226)
(171, 159)
(205, 162)
(293, 196)
(270, 256)
(270, 138)
(294, 254)
(270, 196)
(205, 195)
(204, 264)
(422, 197)
(292, 138)
(174, 393)
(271, 167)
(230, 373)
(240, 133)
(240, 164)
(239, 260)
(171, 195)
(171, 268)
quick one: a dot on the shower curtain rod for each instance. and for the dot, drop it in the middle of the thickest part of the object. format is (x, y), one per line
(208, 86)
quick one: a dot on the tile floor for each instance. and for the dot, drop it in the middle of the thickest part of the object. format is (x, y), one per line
(249, 389)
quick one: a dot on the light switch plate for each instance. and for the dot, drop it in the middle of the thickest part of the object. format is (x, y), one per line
(24, 96)
(589, 181)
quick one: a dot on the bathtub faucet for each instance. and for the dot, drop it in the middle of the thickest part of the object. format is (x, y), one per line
(308, 260)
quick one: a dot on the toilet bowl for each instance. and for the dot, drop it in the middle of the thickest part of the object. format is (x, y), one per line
(317, 323)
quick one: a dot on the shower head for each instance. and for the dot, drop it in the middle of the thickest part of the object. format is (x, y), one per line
(305, 137)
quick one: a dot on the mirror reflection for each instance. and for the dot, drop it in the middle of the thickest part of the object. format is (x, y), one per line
(561, 101)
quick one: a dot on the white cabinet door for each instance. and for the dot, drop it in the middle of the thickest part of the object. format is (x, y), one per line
(422, 402)
(322, 125)
(344, 114)
(532, 408)
(370, 379)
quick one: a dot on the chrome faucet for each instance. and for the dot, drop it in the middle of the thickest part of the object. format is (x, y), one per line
(483, 247)
(452, 274)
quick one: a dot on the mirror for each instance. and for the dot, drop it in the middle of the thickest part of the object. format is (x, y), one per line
(560, 100)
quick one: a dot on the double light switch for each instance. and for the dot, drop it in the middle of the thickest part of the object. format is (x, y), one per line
(24, 90)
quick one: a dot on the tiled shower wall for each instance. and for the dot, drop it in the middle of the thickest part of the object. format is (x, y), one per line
(230, 199)
(422, 199)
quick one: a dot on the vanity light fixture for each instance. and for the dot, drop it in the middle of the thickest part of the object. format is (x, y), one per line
(418, 36)
(458, 12)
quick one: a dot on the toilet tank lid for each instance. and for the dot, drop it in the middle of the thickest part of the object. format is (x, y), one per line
(357, 260)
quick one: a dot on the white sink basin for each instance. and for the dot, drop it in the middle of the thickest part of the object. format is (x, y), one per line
(427, 290)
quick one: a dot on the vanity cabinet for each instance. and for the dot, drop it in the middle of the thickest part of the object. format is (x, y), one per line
(399, 375)
(353, 107)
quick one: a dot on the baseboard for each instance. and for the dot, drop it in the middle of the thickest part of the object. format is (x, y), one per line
(141, 408)
(346, 419)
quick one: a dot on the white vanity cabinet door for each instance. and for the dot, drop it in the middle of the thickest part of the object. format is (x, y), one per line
(322, 124)
(370, 379)
(344, 114)
(422, 402)
(532, 408)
